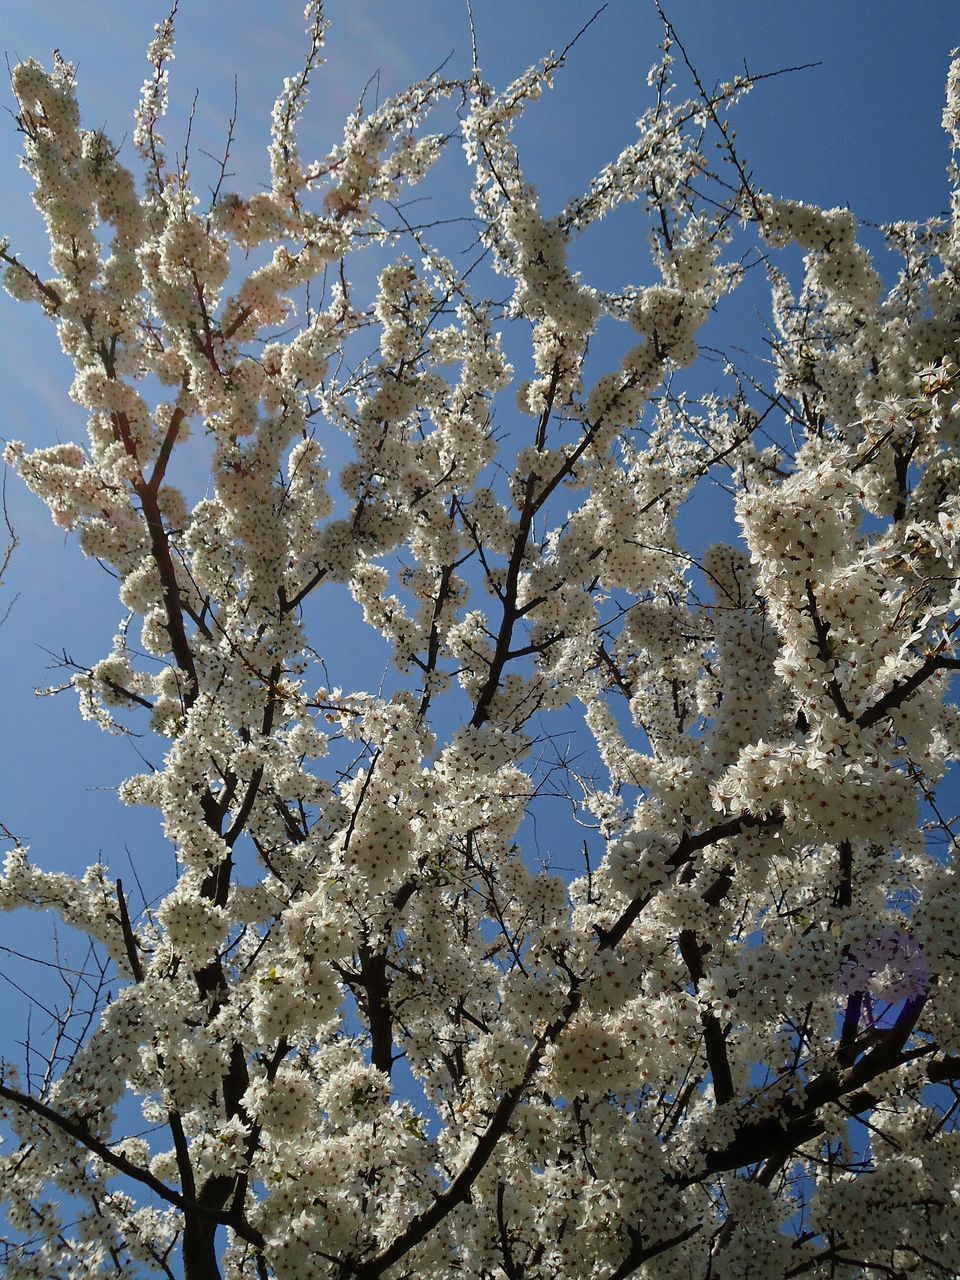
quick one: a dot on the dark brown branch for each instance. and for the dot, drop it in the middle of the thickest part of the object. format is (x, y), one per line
(287, 606)
(686, 848)
(616, 675)
(847, 1048)
(822, 632)
(172, 603)
(641, 1253)
(433, 644)
(166, 448)
(129, 939)
(459, 1189)
(843, 895)
(714, 1041)
(80, 1133)
(902, 689)
(511, 614)
(506, 1253)
(799, 1123)
(376, 999)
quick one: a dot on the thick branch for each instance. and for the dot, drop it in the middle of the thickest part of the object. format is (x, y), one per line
(902, 689)
(641, 1253)
(822, 631)
(714, 1042)
(129, 938)
(459, 1189)
(799, 1123)
(80, 1133)
(686, 848)
(376, 990)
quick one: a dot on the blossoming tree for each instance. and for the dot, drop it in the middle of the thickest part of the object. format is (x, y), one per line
(363, 1033)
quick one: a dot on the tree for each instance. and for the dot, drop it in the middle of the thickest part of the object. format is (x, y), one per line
(367, 1034)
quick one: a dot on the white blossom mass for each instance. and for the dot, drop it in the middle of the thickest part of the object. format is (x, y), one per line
(367, 1031)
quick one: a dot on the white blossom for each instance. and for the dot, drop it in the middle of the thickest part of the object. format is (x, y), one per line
(382, 1020)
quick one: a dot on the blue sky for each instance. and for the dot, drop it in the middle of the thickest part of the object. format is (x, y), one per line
(860, 129)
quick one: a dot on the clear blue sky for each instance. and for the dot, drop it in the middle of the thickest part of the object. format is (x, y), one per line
(861, 129)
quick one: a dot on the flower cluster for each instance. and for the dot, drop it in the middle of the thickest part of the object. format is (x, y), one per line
(387, 1017)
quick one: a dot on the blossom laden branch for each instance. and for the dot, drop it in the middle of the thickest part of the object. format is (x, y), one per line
(371, 887)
